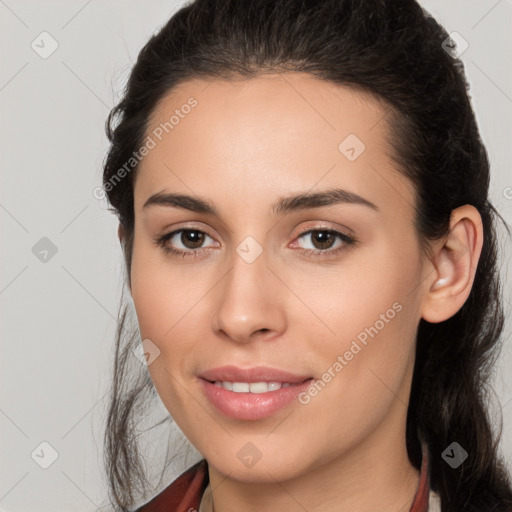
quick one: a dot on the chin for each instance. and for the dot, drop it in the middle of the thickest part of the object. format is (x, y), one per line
(267, 469)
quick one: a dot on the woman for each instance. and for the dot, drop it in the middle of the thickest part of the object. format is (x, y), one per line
(302, 194)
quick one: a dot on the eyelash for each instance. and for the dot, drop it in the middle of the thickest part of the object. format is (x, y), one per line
(348, 241)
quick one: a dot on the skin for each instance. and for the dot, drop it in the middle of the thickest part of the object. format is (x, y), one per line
(244, 146)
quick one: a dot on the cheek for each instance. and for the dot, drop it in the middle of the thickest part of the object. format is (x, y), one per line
(162, 296)
(369, 314)
(374, 288)
(169, 307)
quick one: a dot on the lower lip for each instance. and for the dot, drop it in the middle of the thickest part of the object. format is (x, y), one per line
(251, 406)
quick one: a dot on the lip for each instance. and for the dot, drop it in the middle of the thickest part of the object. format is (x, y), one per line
(255, 374)
(251, 406)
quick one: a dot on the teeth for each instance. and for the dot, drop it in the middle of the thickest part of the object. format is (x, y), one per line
(241, 387)
(252, 387)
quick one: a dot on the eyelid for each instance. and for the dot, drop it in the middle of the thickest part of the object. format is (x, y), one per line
(192, 227)
(321, 225)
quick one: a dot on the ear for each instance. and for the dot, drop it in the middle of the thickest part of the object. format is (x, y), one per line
(454, 263)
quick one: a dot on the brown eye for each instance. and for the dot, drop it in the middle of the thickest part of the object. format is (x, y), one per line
(192, 239)
(185, 242)
(323, 239)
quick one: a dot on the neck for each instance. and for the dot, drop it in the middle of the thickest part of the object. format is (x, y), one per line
(375, 474)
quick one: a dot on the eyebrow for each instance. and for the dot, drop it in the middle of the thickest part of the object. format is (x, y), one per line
(284, 205)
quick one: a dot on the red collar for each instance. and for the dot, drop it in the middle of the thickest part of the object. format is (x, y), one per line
(182, 494)
(187, 490)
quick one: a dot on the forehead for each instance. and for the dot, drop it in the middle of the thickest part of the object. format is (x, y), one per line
(274, 132)
(295, 104)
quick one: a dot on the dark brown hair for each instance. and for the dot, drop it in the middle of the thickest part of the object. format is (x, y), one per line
(392, 49)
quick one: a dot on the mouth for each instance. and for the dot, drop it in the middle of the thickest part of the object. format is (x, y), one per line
(254, 387)
(252, 394)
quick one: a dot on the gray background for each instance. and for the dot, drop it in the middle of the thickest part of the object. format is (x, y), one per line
(58, 315)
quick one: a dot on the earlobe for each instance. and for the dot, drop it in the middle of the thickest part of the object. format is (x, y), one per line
(455, 261)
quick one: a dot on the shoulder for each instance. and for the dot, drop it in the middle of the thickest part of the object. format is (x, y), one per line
(184, 492)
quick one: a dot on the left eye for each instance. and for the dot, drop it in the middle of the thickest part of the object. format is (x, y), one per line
(324, 239)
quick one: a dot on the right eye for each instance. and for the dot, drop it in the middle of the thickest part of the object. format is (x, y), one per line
(191, 240)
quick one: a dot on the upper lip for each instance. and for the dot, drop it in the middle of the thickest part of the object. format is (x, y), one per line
(255, 374)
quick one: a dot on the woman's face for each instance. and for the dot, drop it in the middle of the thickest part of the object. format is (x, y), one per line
(264, 286)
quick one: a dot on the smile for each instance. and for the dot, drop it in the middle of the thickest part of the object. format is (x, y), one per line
(251, 387)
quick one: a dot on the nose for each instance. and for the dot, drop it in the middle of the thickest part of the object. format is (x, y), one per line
(249, 302)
